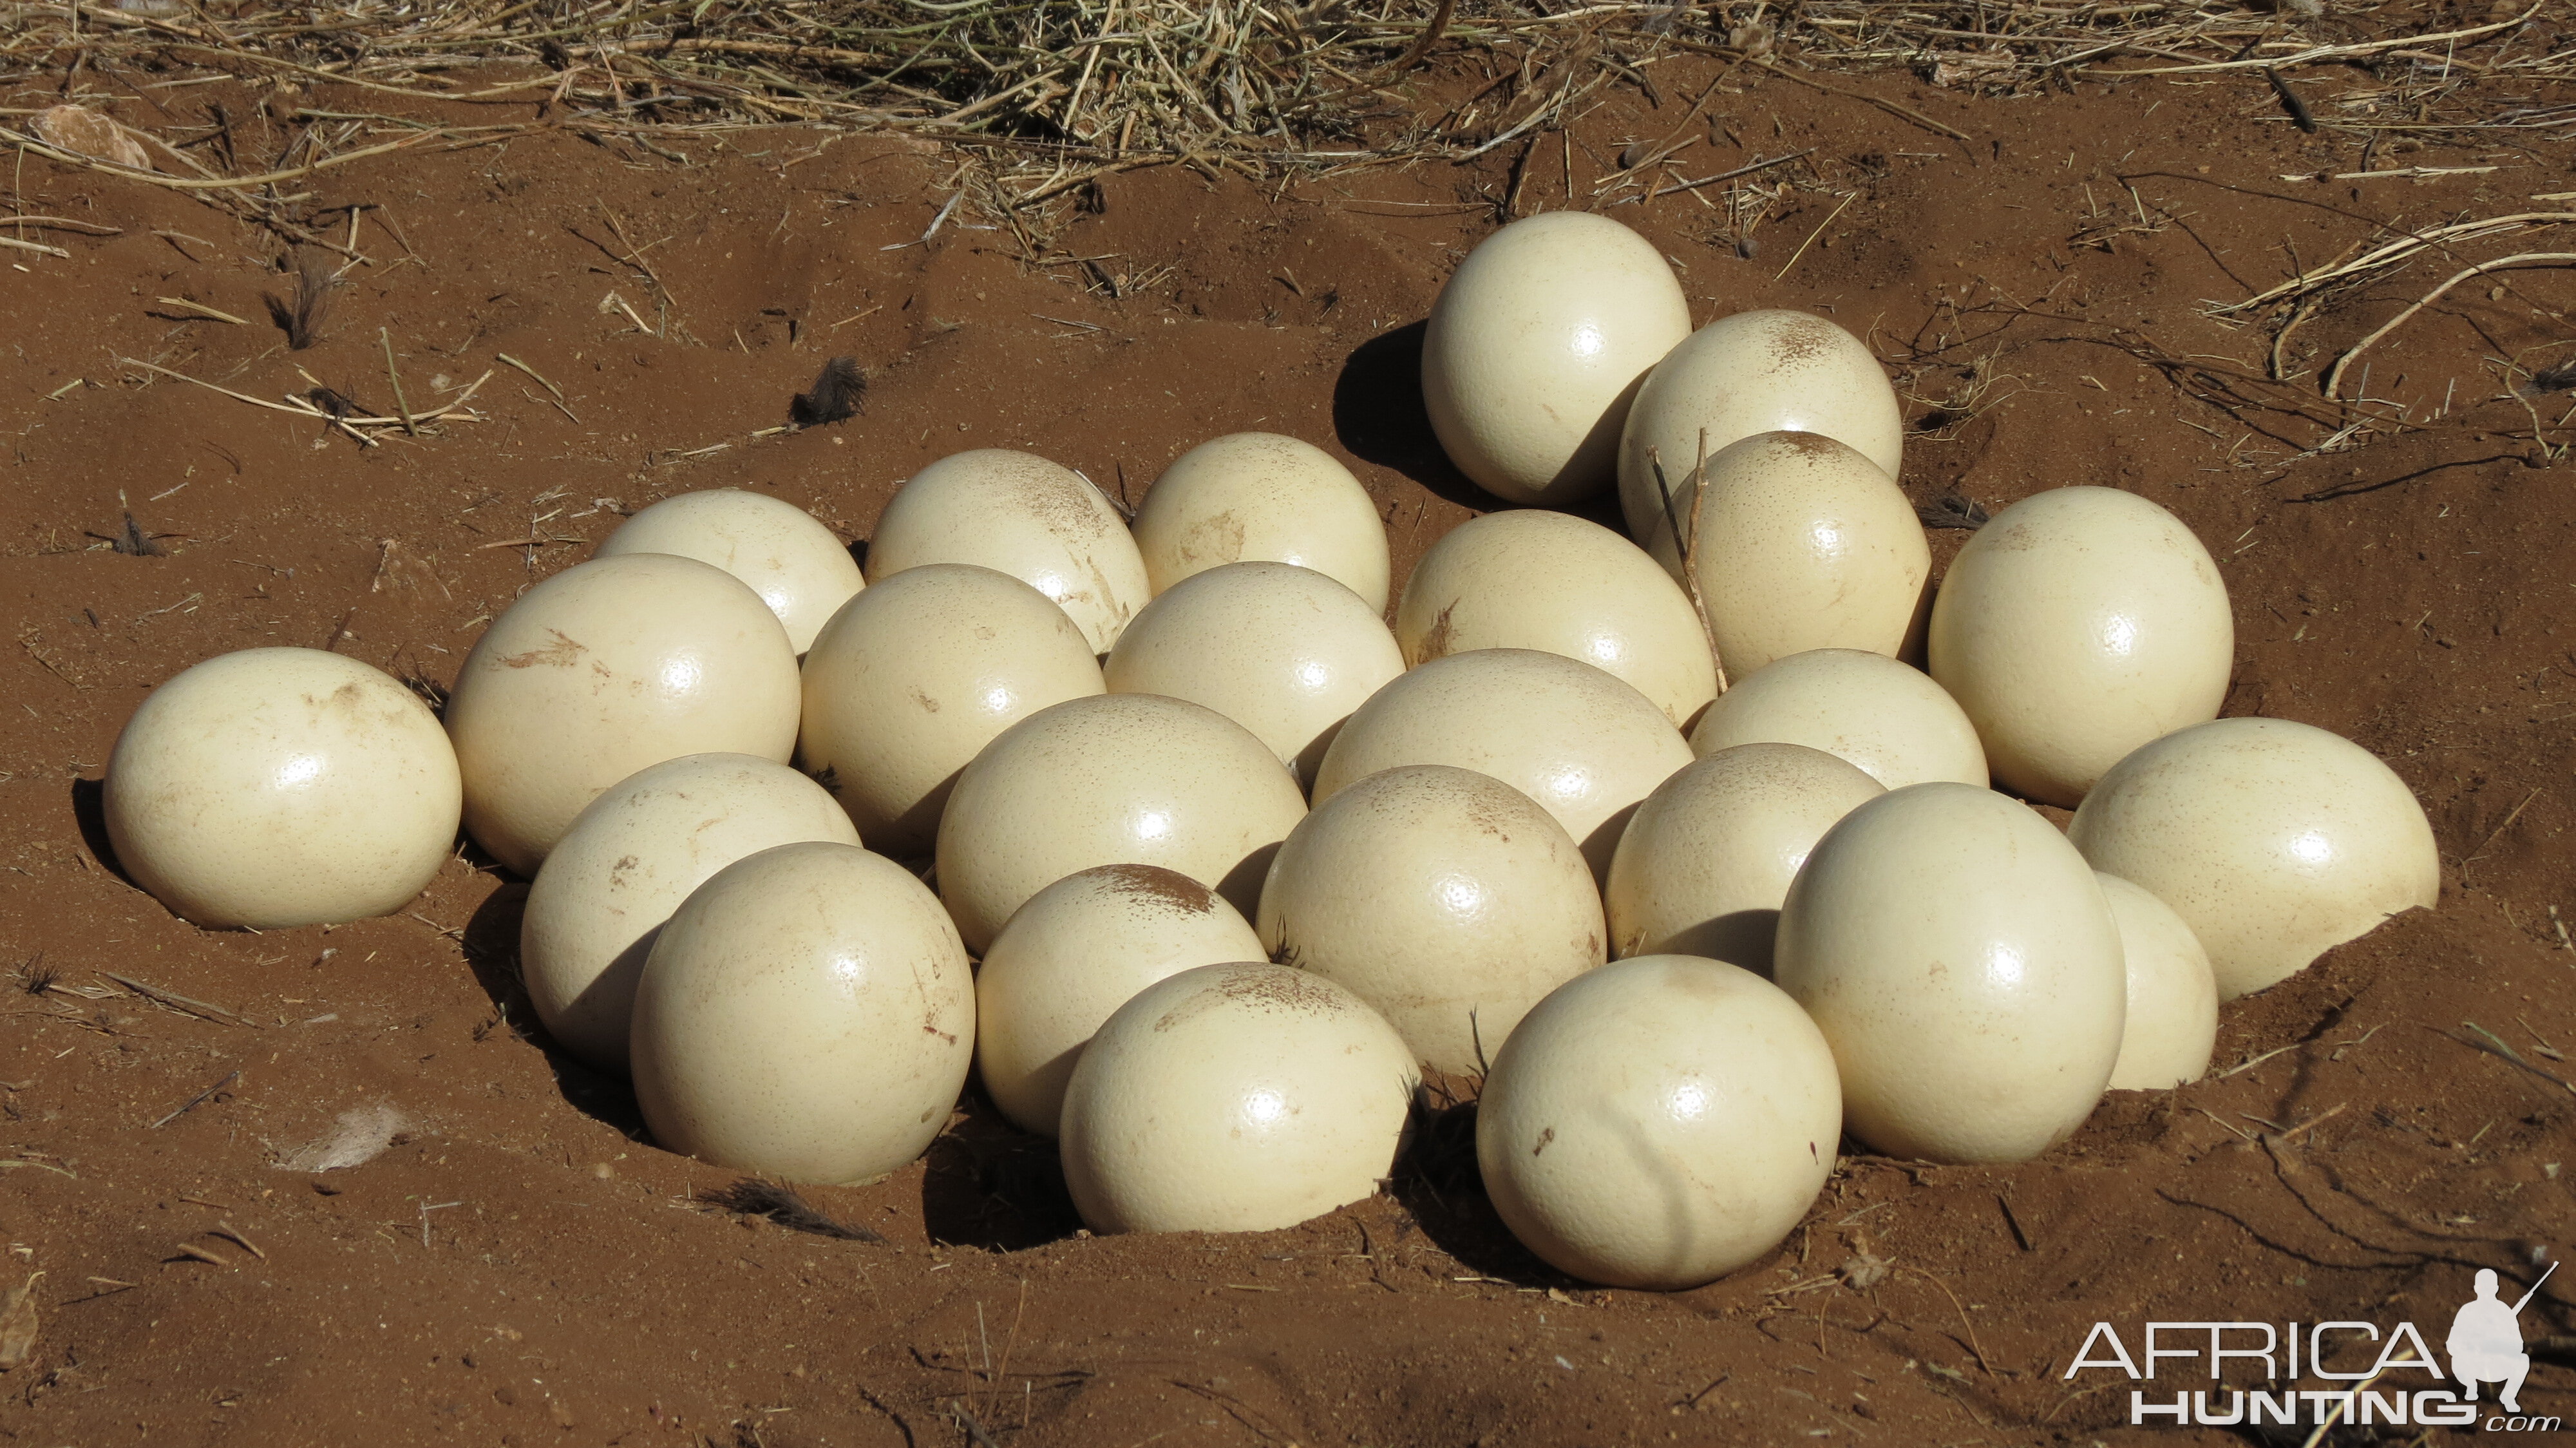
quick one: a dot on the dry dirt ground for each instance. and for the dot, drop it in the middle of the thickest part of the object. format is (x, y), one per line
(497, 1257)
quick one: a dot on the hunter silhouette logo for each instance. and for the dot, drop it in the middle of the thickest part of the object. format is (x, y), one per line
(2485, 1345)
(2486, 1342)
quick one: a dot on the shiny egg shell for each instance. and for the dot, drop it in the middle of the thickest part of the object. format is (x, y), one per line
(2073, 627)
(1764, 371)
(1536, 346)
(631, 856)
(1284, 651)
(1117, 779)
(1659, 1123)
(605, 668)
(1234, 1098)
(911, 679)
(1262, 497)
(2274, 841)
(278, 787)
(1068, 959)
(1584, 745)
(2173, 996)
(807, 1013)
(1807, 545)
(1531, 578)
(797, 566)
(1707, 859)
(1865, 707)
(1442, 897)
(1041, 523)
(1958, 956)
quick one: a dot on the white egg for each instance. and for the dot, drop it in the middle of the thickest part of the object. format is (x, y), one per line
(1442, 897)
(601, 670)
(2075, 626)
(1081, 948)
(797, 566)
(1118, 779)
(2173, 997)
(628, 861)
(1234, 1098)
(1536, 346)
(1043, 524)
(1262, 497)
(1707, 859)
(279, 787)
(807, 1013)
(1961, 961)
(1534, 579)
(1865, 707)
(2274, 841)
(1659, 1123)
(911, 679)
(1284, 651)
(1804, 544)
(1581, 743)
(1766, 371)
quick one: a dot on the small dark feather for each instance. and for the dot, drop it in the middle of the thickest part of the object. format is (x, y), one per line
(836, 395)
(302, 318)
(36, 977)
(2561, 378)
(753, 1197)
(1951, 511)
(333, 403)
(134, 542)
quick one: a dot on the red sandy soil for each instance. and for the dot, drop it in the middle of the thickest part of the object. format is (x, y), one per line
(518, 1266)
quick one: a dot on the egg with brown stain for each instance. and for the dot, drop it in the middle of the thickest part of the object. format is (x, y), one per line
(1044, 524)
(1262, 497)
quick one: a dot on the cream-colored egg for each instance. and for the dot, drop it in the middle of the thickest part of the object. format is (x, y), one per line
(1284, 651)
(1442, 897)
(1067, 960)
(1118, 779)
(1582, 744)
(279, 787)
(1234, 1098)
(1707, 859)
(797, 566)
(2173, 996)
(1960, 959)
(1260, 497)
(628, 861)
(2075, 626)
(601, 670)
(911, 679)
(1536, 346)
(1805, 545)
(1659, 1123)
(1535, 579)
(1752, 372)
(2274, 841)
(1043, 524)
(1865, 707)
(808, 1013)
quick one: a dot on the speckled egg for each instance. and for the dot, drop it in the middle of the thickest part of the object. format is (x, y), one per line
(1442, 897)
(1234, 1098)
(1041, 523)
(279, 787)
(1262, 497)
(1284, 651)
(807, 1013)
(911, 679)
(1535, 579)
(1659, 1123)
(601, 670)
(1064, 962)
(1118, 779)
